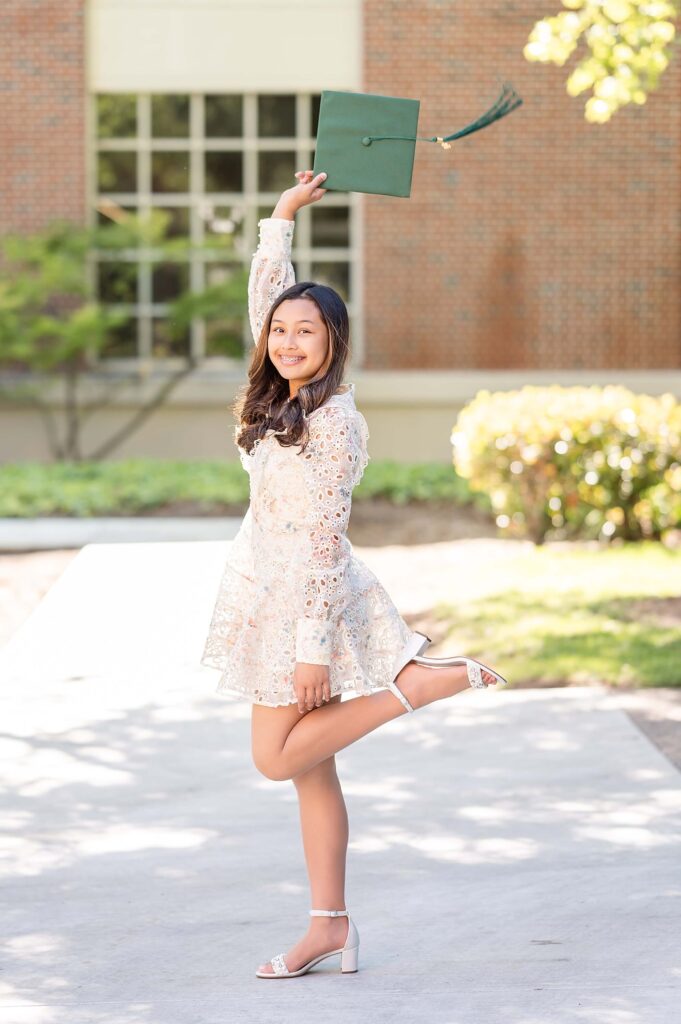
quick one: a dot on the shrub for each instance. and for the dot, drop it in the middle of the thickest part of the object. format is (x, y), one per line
(572, 462)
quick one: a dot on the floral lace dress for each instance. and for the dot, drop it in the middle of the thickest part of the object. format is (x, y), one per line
(292, 588)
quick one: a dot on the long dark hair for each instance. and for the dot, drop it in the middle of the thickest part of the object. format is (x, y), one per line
(263, 403)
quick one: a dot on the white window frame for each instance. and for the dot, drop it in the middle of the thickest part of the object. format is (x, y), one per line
(303, 253)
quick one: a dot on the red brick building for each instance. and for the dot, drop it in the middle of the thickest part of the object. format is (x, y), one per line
(543, 248)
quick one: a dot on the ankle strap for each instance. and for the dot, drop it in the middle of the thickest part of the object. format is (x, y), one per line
(328, 913)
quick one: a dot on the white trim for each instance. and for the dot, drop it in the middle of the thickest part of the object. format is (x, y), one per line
(217, 386)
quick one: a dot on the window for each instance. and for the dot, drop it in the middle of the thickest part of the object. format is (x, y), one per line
(215, 164)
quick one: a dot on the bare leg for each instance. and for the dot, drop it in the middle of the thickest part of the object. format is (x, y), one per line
(324, 824)
(284, 747)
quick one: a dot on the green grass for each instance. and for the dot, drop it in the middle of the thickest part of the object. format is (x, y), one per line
(574, 614)
(134, 486)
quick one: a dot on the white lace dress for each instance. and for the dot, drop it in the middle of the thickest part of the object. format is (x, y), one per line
(292, 588)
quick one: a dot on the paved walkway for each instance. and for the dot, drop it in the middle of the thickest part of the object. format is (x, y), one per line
(49, 532)
(514, 856)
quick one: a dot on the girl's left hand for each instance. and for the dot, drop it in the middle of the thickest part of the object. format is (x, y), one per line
(311, 684)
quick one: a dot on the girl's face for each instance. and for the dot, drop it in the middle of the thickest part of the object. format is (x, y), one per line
(298, 342)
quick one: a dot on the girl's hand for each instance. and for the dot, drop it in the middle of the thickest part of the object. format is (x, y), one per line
(305, 192)
(311, 685)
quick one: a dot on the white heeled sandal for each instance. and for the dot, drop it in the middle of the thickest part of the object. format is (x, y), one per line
(413, 653)
(348, 953)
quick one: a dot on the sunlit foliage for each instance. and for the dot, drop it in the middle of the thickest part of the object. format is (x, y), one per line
(628, 43)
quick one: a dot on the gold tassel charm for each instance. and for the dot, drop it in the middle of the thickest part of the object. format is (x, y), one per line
(445, 145)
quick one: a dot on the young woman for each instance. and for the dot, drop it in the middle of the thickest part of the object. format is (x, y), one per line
(299, 619)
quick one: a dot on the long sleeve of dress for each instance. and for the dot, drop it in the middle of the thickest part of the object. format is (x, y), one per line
(332, 463)
(271, 269)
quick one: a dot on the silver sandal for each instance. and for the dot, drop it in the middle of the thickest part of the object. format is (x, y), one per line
(348, 953)
(413, 653)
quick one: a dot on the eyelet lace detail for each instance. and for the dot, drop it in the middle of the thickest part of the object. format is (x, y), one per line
(292, 588)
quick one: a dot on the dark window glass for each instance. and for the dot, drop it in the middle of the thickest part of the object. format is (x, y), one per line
(117, 282)
(168, 339)
(178, 221)
(224, 172)
(330, 225)
(117, 172)
(224, 337)
(121, 341)
(168, 281)
(276, 171)
(276, 117)
(170, 172)
(116, 116)
(335, 275)
(316, 104)
(170, 117)
(221, 273)
(224, 117)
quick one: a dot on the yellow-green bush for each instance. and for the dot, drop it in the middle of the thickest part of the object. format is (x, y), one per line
(586, 462)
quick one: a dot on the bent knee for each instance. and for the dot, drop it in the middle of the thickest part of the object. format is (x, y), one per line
(271, 768)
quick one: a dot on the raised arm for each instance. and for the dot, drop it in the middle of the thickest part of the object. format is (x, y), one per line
(271, 268)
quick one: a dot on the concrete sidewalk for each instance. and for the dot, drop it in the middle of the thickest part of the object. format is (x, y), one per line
(514, 856)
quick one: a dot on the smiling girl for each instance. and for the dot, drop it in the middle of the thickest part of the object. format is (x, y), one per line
(299, 619)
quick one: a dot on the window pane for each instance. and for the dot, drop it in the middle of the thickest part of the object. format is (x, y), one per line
(117, 172)
(223, 222)
(168, 281)
(276, 116)
(224, 338)
(221, 273)
(224, 117)
(224, 172)
(336, 275)
(170, 117)
(164, 343)
(178, 222)
(116, 116)
(121, 341)
(276, 171)
(170, 172)
(331, 225)
(117, 282)
(316, 104)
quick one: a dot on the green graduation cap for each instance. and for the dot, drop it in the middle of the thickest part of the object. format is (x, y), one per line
(366, 142)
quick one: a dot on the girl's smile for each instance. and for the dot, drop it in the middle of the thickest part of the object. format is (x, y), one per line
(299, 320)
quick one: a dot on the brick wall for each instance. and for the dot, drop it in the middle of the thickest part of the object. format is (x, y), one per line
(542, 241)
(42, 112)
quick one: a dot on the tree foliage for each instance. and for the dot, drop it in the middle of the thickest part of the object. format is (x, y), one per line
(53, 330)
(628, 43)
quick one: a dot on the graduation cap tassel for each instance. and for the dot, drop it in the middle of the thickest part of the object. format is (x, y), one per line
(507, 102)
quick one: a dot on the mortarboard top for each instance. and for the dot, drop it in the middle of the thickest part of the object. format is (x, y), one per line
(366, 142)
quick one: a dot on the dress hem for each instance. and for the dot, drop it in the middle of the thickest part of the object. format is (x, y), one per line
(238, 694)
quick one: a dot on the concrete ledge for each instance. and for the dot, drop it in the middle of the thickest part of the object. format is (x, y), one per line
(211, 387)
(50, 533)
(410, 413)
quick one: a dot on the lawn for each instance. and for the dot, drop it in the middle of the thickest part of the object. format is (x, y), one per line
(129, 487)
(574, 613)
